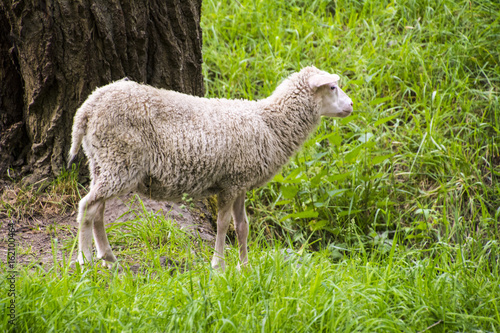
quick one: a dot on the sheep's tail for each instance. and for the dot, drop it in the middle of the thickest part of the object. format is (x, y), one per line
(78, 132)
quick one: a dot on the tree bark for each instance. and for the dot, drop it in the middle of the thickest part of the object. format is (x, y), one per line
(54, 53)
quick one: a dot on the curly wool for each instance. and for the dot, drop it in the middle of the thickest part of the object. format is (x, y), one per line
(164, 144)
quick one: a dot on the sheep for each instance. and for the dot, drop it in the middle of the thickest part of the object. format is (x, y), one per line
(164, 144)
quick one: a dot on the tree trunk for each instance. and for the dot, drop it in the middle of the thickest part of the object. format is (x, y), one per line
(54, 53)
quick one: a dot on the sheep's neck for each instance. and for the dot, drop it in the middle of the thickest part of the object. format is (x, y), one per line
(291, 123)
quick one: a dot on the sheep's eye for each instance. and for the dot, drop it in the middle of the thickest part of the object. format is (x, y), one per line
(333, 87)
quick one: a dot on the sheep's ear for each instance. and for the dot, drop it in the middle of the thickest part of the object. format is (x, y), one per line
(319, 80)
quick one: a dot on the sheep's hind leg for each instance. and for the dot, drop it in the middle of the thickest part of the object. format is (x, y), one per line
(101, 240)
(241, 226)
(87, 211)
(223, 219)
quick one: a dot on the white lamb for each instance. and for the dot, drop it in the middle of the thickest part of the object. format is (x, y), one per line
(164, 144)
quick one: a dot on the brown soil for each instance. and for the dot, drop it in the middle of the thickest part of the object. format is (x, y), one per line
(36, 233)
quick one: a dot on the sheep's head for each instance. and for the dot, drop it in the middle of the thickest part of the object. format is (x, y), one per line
(332, 100)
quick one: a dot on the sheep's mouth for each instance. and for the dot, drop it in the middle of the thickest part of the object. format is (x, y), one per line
(346, 113)
(339, 114)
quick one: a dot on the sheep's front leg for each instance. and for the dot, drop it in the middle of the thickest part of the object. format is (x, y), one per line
(241, 226)
(223, 220)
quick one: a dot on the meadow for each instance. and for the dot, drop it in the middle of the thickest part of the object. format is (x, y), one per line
(385, 221)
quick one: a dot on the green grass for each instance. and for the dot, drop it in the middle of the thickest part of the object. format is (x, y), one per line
(283, 291)
(421, 152)
(392, 214)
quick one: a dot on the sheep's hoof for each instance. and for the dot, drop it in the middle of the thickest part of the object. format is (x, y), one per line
(112, 265)
(219, 267)
(75, 263)
(83, 261)
(242, 266)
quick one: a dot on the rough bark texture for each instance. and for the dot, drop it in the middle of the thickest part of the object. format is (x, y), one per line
(54, 53)
(13, 136)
